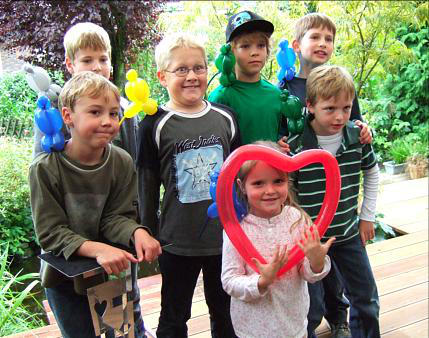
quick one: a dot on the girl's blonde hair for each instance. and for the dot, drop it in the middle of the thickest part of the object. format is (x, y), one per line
(244, 171)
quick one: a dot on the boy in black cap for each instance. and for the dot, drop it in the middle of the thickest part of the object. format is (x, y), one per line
(256, 101)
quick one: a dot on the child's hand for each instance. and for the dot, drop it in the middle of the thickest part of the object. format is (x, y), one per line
(113, 260)
(282, 143)
(365, 133)
(269, 271)
(147, 247)
(313, 249)
(366, 231)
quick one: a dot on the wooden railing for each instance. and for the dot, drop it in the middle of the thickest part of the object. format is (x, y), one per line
(14, 127)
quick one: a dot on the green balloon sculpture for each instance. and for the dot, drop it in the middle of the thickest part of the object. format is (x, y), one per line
(291, 107)
(225, 62)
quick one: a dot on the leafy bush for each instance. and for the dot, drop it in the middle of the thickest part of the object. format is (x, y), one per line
(16, 226)
(146, 68)
(15, 316)
(17, 99)
(400, 151)
(402, 106)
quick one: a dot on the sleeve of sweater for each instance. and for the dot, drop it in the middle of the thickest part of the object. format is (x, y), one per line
(235, 281)
(308, 274)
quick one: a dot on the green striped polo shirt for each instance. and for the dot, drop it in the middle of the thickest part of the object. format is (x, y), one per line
(309, 182)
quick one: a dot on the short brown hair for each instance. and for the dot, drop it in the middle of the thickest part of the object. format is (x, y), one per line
(264, 35)
(325, 82)
(85, 84)
(313, 20)
(86, 35)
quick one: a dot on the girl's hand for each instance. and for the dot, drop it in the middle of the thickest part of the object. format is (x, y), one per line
(269, 271)
(365, 133)
(313, 249)
(282, 142)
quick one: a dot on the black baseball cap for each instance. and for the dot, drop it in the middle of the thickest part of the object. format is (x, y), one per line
(247, 21)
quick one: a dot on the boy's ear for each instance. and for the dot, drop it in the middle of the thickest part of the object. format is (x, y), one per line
(66, 114)
(161, 77)
(69, 65)
(295, 46)
(310, 107)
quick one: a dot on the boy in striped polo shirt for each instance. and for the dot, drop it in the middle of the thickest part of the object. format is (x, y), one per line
(330, 94)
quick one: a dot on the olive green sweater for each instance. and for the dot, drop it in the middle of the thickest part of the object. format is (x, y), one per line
(72, 203)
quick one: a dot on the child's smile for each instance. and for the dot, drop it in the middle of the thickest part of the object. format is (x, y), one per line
(186, 91)
(266, 189)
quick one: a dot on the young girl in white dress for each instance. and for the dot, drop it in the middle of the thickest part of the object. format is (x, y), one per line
(262, 304)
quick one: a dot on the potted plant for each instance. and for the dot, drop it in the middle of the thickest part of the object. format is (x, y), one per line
(417, 162)
(399, 152)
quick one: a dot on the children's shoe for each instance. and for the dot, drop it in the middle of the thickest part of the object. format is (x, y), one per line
(341, 330)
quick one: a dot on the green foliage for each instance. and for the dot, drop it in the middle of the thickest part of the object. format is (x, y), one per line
(16, 226)
(146, 68)
(17, 99)
(400, 150)
(15, 316)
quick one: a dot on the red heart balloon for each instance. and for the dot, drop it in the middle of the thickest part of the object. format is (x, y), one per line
(282, 162)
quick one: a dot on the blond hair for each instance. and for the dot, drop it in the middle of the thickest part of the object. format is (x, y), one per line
(313, 20)
(264, 35)
(247, 166)
(325, 82)
(87, 84)
(86, 35)
(169, 43)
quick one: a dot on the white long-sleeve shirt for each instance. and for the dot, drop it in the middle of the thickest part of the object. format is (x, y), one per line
(281, 311)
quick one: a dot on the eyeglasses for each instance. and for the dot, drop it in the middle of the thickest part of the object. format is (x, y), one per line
(183, 71)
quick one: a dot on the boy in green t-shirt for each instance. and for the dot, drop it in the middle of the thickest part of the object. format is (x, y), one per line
(255, 101)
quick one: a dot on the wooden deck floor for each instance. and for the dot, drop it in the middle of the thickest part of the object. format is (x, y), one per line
(400, 267)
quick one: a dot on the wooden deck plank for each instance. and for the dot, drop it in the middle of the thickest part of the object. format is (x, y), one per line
(401, 298)
(418, 329)
(398, 254)
(403, 281)
(398, 242)
(400, 266)
(403, 317)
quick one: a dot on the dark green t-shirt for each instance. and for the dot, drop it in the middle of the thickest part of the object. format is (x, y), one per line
(257, 106)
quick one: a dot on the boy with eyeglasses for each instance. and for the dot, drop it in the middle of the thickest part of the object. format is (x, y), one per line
(179, 147)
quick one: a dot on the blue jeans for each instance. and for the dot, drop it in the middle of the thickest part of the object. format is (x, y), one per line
(329, 302)
(356, 275)
(73, 315)
(179, 278)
